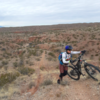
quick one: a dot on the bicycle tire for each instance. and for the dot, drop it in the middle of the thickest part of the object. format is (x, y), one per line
(96, 71)
(72, 76)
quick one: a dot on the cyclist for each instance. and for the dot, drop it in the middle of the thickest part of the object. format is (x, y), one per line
(65, 60)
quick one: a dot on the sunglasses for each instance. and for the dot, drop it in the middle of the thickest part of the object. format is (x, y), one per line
(69, 49)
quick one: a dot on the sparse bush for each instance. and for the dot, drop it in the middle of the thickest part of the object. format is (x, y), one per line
(5, 67)
(47, 82)
(21, 62)
(99, 58)
(8, 78)
(91, 57)
(15, 64)
(58, 94)
(75, 44)
(4, 62)
(0, 66)
(57, 50)
(49, 58)
(41, 51)
(1, 59)
(57, 67)
(25, 70)
(27, 61)
(42, 67)
(97, 43)
(38, 59)
(52, 54)
(45, 52)
(31, 85)
(31, 63)
(96, 54)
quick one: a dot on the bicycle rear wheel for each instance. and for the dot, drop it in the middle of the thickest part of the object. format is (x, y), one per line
(92, 71)
(72, 73)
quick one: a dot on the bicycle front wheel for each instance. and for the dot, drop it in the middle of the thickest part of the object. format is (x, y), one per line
(92, 71)
(72, 73)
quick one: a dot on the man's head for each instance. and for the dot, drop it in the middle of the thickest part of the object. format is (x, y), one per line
(68, 49)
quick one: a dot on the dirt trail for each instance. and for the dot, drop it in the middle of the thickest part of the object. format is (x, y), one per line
(76, 90)
(84, 89)
(40, 76)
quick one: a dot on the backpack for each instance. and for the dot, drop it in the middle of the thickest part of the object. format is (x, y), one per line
(60, 58)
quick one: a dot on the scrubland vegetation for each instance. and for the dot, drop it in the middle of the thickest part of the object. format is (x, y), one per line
(27, 52)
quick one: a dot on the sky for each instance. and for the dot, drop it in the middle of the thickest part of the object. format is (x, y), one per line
(15, 13)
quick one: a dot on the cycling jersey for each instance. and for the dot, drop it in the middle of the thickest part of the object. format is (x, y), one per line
(66, 57)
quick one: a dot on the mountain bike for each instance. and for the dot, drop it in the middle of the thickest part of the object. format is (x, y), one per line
(74, 70)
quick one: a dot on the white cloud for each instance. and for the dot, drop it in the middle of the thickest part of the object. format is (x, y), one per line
(41, 12)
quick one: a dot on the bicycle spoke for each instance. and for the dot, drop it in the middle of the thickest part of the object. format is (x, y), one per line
(73, 74)
(93, 71)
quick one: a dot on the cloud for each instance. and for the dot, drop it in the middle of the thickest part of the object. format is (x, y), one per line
(42, 12)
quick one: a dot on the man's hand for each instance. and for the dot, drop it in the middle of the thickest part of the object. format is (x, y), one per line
(83, 51)
(71, 61)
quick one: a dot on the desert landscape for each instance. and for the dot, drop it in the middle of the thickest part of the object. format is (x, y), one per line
(29, 66)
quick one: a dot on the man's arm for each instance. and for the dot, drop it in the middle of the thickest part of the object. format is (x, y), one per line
(75, 52)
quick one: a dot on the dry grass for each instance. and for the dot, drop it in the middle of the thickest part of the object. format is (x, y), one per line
(47, 82)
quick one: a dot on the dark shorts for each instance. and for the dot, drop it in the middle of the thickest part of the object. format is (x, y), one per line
(63, 68)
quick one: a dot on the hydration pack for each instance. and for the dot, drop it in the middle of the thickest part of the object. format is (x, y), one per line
(60, 57)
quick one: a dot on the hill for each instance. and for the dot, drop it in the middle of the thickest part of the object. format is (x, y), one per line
(29, 66)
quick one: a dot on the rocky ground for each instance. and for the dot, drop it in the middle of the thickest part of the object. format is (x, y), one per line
(37, 48)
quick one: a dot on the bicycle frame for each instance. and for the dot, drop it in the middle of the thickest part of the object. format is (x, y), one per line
(78, 64)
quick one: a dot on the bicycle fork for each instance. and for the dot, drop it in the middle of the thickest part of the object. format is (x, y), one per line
(78, 69)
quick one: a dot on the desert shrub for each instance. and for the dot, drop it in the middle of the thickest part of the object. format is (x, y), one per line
(15, 64)
(68, 38)
(25, 70)
(47, 82)
(41, 51)
(1, 59)
(33, 52)
(97, 43)
(42, 67)
(38, 59)
(57, 67)
(99, 58)
(5, 67)
(57, 50)
(58, 94)
(8, 78)
(96, 54)
(49, 58)
(52, 54)
(45, 52)
(31, 84)
(91, 56)
(93, 36)
(4, 62)
(21, 62)
(0, 66)
(75, 45)
(73, 42)
(31, 63)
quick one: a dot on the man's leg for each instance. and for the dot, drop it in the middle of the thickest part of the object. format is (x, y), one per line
(65, 73)
(61, 67)
(65, 70)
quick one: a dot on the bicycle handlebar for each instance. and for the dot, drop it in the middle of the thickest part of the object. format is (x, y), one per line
(72, 61)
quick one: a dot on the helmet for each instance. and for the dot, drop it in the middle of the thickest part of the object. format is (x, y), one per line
(68, 47)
